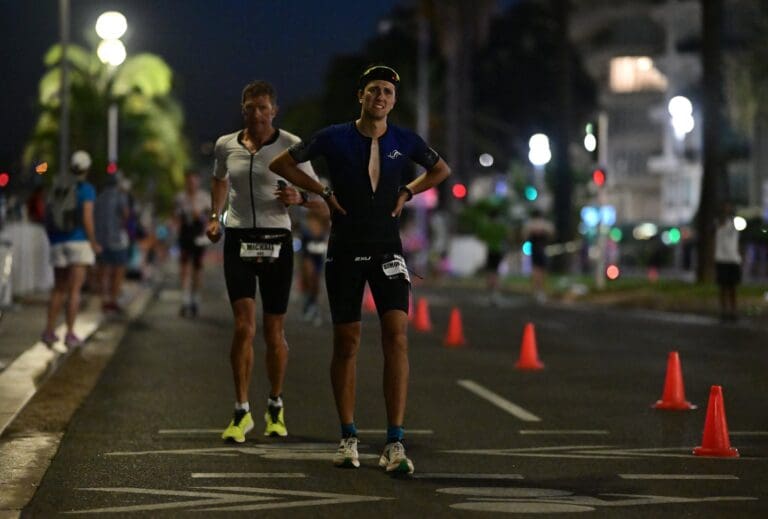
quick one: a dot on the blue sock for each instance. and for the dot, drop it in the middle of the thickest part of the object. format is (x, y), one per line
(395, 433)
(348, 429)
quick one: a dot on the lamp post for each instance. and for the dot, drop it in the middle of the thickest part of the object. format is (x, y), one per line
(110, 26)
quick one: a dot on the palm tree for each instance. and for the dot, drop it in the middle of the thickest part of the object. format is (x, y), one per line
(153, 151)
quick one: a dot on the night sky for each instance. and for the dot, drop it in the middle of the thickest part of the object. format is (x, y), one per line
(214, 48)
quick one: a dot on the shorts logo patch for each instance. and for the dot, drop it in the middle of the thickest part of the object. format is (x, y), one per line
(394, 154)
(362, 258)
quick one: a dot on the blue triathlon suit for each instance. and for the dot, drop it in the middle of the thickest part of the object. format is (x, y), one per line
(364, 244)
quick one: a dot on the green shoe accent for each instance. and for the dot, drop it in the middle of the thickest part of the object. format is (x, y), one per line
(275, 427)
(237, 431)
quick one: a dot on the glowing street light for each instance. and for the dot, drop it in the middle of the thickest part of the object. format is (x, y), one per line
(538, 150)
(110, 26)
(681, 110)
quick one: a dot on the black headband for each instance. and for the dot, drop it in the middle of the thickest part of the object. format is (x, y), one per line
(379, 72)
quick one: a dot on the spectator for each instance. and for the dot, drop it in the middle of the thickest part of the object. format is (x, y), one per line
(727, 262)
(73, 246)
(538, 231)
(111, 212)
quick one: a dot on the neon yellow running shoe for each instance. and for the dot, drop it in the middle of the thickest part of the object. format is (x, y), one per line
(240, 425)
(275, 422)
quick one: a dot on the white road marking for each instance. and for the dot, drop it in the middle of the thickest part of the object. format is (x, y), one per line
(590, 452)
(500, 402)
(677, 476)
(549, 501)
(224, 499)
(749, 433)
(443, 475)
(233, 475)
(189, 431)
(563, 431)
(384, 431)
(292, 451)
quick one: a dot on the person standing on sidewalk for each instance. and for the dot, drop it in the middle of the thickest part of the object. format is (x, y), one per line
(257, 244)
(727, 262)
(73, 247)
(193, 206)
(370, 164)
(111, 213)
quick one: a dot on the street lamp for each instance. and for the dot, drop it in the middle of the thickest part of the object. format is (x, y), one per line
(110, 26)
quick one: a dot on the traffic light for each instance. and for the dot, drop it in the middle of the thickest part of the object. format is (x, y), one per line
(531, 193)
(459, 191)
(4, 179)
(111, 167)
(598, 177)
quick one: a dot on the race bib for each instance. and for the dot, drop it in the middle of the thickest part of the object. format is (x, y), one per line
(395, 268)
(260, 251)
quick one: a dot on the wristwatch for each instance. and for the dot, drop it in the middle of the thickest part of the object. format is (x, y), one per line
(407, 190)
(214, 216)
(327, 192)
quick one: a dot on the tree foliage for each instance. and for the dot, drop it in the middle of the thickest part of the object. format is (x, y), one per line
(152, 149)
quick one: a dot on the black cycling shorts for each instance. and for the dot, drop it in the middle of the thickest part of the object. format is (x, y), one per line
(247, 256)
(346, 274)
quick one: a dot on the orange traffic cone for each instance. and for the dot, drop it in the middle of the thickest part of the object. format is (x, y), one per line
(369, 305)
(422, 322)
(716, 441)
(455, 336)
(529, 357)
(673, 397)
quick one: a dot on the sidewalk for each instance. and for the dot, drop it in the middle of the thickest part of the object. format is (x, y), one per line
(25, 362)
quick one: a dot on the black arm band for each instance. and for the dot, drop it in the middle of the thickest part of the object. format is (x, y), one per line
(407, 190)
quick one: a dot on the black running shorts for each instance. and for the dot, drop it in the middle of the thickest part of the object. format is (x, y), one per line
(248, 254)
(346, 274)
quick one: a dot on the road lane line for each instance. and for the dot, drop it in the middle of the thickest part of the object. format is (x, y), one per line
(749, 433)
(227, 475)
(447, 475)
(384, 431)
(563, 431)
(189, 431)
(677, 476)
(501, 402)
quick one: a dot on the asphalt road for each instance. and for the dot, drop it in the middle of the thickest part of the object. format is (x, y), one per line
(579, 436)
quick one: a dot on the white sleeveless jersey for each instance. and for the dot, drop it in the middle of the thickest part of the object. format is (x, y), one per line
(252, 202)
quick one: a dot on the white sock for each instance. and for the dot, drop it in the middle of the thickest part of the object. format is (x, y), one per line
(275, 402)
(242, 406)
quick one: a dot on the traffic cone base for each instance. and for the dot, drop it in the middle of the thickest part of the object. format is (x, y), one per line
(529, 357)
(716, 441)
(455, 336)
(369, 305)
(673, 397)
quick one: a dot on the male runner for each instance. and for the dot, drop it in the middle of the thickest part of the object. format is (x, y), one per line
(257, 243)
(370, 167)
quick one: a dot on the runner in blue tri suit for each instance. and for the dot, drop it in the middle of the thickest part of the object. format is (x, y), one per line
(370, 164)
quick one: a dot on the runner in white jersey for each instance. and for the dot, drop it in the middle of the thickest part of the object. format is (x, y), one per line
(257, 243)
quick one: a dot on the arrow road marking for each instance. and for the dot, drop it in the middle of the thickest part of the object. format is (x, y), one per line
(232, 499)
(499, 401)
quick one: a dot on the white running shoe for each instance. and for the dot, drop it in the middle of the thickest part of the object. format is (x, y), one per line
(393, 459)
(346, 455)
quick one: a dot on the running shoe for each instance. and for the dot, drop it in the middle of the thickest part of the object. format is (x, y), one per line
(73, 341)
(393, 459)
(346, 455)
(49, 338)
(240, 425)
(275, 422)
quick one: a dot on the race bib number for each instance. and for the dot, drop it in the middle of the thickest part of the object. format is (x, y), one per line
(395, 268)
(260, 251)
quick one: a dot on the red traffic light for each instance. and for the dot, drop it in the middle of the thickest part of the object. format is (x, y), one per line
(459, 190)
(112, 168)
(598, 177)
(4, 179)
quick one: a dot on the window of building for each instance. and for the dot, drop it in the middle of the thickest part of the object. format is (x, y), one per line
(635, 74)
